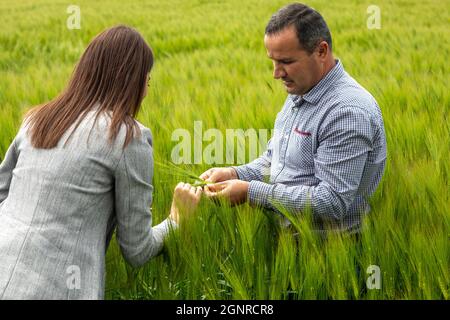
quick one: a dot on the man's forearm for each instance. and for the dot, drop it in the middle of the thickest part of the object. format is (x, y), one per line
(322, 199)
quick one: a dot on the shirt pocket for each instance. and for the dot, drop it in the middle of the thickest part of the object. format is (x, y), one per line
(300, 152)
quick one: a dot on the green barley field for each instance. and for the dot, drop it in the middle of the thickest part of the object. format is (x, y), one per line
(211, 66)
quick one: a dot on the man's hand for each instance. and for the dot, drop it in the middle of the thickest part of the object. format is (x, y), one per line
(233, 190)
(185, 201)
(219, 174)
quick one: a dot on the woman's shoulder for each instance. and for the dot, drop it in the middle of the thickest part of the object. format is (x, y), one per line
(103, 124)
(145, 132)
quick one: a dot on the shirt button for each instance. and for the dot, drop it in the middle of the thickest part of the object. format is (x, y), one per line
(280, 165)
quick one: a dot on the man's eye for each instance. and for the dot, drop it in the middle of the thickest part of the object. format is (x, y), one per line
(286, 62)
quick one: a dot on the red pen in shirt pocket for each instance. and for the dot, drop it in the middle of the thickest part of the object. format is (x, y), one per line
(302, 133)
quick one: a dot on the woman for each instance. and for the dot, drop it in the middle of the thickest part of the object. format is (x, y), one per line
(80, 167)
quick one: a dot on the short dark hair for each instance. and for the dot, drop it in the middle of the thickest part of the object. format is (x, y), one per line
(310, 26)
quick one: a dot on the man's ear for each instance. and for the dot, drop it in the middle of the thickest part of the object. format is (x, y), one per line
(322, 49)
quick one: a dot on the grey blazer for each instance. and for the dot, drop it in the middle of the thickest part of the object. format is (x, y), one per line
(60, 206)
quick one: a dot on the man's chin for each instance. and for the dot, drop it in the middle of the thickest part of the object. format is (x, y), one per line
(292, 91)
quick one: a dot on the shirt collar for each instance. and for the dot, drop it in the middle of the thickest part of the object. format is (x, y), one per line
(313, 96)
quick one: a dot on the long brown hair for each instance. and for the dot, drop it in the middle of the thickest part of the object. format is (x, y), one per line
(112, 73)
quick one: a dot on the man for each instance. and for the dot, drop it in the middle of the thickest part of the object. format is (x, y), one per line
(328, 151)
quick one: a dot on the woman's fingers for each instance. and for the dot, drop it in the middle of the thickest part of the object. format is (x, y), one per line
(187, 195)
(179, 185)
(187, 187)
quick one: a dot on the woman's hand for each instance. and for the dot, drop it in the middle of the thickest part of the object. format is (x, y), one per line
(185, 201)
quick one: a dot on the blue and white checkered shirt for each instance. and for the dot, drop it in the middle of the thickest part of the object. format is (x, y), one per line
(328, 151)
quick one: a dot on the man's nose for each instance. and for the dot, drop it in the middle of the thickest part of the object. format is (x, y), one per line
(278, 72)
